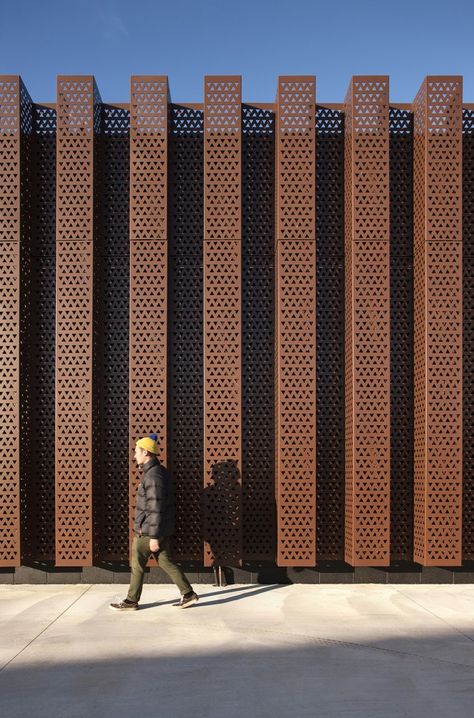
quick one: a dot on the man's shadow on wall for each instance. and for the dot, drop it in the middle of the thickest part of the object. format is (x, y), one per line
(222, 520)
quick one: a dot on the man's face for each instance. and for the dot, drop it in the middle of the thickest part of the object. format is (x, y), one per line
(141, 456)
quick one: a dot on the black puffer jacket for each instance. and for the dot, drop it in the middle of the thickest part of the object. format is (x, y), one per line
(154, 511)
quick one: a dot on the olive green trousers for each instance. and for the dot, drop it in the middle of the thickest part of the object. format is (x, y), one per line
(140, 555)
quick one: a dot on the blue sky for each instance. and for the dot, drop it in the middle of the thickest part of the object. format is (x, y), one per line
(258, 39)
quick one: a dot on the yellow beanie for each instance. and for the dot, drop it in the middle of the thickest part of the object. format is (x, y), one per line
(148, 444)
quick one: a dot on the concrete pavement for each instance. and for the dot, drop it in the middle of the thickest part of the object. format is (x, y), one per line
(361, 651)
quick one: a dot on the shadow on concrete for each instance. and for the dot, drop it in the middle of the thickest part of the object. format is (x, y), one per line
(204, 675)
(244, 592)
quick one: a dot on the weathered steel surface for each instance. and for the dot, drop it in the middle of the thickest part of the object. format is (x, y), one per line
(148, 266)
(77, 122)
(10, 232)
(222, 496)
(367, 323)
(277, 290)
(438, 321)
(296, 321)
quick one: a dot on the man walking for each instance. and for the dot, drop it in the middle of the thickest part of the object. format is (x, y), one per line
(153, 527)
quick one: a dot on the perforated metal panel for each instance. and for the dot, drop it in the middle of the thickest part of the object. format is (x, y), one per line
(148, 265)
(10, 230)
(296, 322)
(401, 334)
(258, 332)
(186, 371)
(468, 334)
(192, 269)
(222, 496)
(76, 99)
(330, 332)
(222, 158)
(111, 481)
(367, 323)
(25, 269)
(438, 321)
(40, 486)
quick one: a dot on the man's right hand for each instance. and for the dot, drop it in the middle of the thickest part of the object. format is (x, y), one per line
(154, 545)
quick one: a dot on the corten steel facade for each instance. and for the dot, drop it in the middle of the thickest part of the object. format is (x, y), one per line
(283, 292)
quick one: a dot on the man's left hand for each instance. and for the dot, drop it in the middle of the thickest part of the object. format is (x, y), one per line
(154, 545)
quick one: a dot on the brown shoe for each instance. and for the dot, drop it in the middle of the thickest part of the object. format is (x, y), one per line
(187, 600)
(124, 605)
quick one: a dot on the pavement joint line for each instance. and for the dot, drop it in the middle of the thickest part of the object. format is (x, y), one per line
(344, 644)
(46, 628)
(440, 618)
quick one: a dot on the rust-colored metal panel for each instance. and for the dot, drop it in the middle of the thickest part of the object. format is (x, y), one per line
(296, 322)
(148, 295)
(468, 333)
(296, 403)
(290, 235)
(222, 525)
(16, 113)
(296, 158)
(148, 265)
(14, 103)
(10, 158)
(77, 98)
(222, 157)
(10, 459)
(149, 157)
(438, 321)
(222, 497)
(367, 325)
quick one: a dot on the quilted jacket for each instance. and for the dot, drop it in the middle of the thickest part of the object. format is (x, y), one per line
(154, 510)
